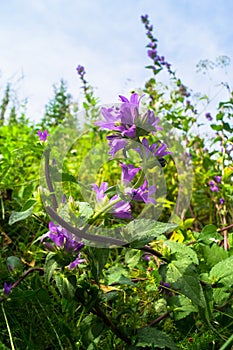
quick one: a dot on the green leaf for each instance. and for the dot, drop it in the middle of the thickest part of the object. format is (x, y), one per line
(50, 266)
(183, 276)
(221, 295)
(181, 251)
(28, 204)
(132, 257)
(66, 285)
(115, 273)
(85, 210)
(209, 234)
(98, 258)
(211, 255)
(142, 231)
(216, 127)
(153, 337)
(183, 306)
(222, 272)
(20, 215)
(91, 327)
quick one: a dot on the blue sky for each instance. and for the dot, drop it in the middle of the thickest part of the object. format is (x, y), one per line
(45, 40)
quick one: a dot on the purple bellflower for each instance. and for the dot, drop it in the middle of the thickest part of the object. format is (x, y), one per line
(218, 178)
(221, 201)
(157, 150)
(128, 173)
(120, 209)
(76, 262)
(65, 240)
(213, 186)
(143, 193)
(43, 135)
(127, 123)
(7, 288)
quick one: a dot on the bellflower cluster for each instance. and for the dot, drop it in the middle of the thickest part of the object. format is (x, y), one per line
(127, 123)
(159, 61)
(66, 241)
(81, 72)
(122, 208)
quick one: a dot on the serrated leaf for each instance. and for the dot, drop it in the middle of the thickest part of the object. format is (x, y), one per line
(28, 204)
(142, 231)
(183, 306)
(216, 127)
(151, 336)
(115, 273)
(183, 276)
(222, 272)
(181, 251)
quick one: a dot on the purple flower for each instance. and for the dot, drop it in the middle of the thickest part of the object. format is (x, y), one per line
(164, 288)
(111, 117)
(126, 122)
(80, 70)
(146, 257)
(218, 178)
(116, 143)
(214, 188)
(143, 193)
(152, 53)
(76, 262)
(208, 116)
(100, 191)
(211, 183)
(221, 201)
(7, 288)
(43, 135)
(157, 150)
(128, 173)
(63, 239)
(122, 209)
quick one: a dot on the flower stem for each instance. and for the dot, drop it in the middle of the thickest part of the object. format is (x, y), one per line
(8, 328)
(48, 180)
(109, 323)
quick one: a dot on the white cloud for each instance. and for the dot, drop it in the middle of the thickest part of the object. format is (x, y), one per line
(46, 40)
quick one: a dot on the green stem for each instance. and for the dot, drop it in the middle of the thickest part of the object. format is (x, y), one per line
(8, 328)
(227, 343)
